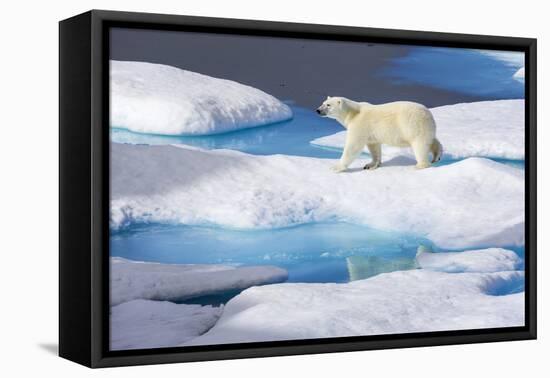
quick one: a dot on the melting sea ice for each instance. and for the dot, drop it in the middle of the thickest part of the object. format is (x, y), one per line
(316, 252)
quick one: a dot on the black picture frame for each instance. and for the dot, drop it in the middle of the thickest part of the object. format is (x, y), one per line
(84, 188)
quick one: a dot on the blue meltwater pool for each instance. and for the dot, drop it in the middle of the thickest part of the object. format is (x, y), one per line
(315, 252)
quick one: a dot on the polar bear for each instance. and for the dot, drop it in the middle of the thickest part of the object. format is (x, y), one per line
(400, 124)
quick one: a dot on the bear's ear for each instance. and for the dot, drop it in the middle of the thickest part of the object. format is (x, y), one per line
(328, 97)
(339, 102)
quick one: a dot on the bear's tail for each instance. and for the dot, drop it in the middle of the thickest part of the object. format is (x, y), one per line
(437, 150)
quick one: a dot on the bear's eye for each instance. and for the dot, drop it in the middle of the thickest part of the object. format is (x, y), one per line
(328, 105)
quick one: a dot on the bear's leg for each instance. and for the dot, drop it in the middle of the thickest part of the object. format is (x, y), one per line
(375, 151)
(421, 151)
(437, 150)
(352, 149)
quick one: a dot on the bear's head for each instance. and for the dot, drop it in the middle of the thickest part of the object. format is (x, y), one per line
(331, 107)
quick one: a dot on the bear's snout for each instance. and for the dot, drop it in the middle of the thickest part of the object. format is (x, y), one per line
(318, 111)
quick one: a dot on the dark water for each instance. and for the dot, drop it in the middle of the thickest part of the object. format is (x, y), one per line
(305, 70)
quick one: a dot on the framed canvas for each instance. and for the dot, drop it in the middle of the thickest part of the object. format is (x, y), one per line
(234, 188)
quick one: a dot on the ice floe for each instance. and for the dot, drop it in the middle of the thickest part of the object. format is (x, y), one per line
(473, 202)
(159, 99)
(141, 280)
(482, 260)
(483, 129)
(142, 324)
(444, 291)
(398, 302)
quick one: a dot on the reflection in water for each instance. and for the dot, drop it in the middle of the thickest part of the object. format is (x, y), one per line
(361, 267)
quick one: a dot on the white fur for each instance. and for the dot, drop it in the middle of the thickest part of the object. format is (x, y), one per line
(400, 124)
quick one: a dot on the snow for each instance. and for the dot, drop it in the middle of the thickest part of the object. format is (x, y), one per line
(142, 324)
(141, 280)
(398, 302)
(160, 99)
(483, 260)
(473, 202)
(484, 129)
